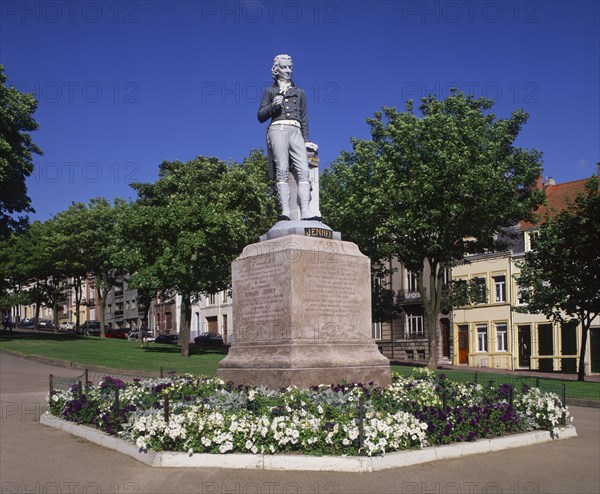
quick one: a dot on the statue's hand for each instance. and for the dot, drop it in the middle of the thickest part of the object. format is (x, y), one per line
(278, 100)
(312, 146)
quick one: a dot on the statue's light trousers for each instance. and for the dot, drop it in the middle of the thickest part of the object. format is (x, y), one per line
(289, 152)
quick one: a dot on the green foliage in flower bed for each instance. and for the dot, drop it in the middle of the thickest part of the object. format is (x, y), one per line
(209, 415)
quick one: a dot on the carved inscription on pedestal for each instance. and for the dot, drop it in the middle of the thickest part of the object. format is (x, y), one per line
(332, 291)
(335, 308)
(260, 315)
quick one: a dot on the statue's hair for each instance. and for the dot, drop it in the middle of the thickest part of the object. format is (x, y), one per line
(280, 58)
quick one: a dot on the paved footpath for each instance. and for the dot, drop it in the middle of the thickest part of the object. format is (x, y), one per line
(35, 459)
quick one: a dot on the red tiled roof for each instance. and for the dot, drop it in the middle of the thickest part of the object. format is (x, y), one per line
(558, 198)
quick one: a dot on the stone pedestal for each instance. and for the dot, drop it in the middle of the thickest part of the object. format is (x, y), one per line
(302, 316)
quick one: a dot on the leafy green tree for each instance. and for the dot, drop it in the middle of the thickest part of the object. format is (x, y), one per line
(14, 274)
(87, 244)
(428, 188)
(189, 225)
(137, 252)
(16, 154)
(563, 267)
(100, 243)
(32, 268)
(70, 253)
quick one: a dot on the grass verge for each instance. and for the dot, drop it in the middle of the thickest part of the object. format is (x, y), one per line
(114, 353)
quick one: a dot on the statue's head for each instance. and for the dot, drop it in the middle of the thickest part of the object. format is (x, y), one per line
(282, 67)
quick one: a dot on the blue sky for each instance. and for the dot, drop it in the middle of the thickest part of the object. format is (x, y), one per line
(125, 85)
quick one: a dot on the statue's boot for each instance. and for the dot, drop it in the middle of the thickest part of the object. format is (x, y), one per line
(283, 192)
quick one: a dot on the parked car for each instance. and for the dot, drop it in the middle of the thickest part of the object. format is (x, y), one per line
(26, 323)
(90, 328)
(209, 339)
(119, 333)
(171, 339)
(66, 326)
(133, 335)
(45, 324)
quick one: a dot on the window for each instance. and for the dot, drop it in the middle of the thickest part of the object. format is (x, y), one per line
(412, 282)
(446, 277)
(482, 338)
(414, 326)
(522, 294)
(225, 299)
(212, 299)
(376, 331)
(501, 337)
(499, 288)
(479, 290)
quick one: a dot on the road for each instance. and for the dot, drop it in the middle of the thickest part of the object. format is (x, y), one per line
(35, 459)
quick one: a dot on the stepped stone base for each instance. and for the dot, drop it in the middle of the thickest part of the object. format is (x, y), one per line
(302, 316)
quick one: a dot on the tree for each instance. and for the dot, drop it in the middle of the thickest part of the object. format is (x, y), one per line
(87, 244)
(429, 188)
(14, 275)
(189, 225)
(138, 252)
(100, 243)
(71, 256)
(563, 267)
(16, 153)
(32, 267)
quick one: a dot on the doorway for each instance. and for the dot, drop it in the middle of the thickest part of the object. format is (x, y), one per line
(445, 327)
(463, 344)
(212, 326)
(524, 344)
(595, 349)
(545, 347)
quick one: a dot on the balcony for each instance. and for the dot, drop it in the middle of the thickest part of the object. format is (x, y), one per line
(408, 297)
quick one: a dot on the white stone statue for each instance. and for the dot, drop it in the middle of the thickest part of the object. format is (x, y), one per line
(287, 140)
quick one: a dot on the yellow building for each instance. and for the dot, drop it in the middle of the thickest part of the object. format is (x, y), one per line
(493, 333)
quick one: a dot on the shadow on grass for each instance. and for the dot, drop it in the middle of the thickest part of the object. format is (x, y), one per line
(176, 349)
(17, 334)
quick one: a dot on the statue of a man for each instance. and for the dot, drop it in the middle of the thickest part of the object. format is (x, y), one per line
(287, 137)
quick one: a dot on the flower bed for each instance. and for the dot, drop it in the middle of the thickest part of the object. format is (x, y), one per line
(194, 414)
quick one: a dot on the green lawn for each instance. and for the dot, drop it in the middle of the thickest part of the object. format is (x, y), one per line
(123, 354)
(114, 353)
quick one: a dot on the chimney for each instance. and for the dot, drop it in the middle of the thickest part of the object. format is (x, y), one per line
(549, 181)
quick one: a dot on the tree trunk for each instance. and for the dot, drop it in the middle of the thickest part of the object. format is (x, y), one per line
(101, 291)
(184, 327)
(77, 288)
(585, 326)
(432, 341)
(36, 321)
(145, 325)
(432, 302)
(55, 315)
